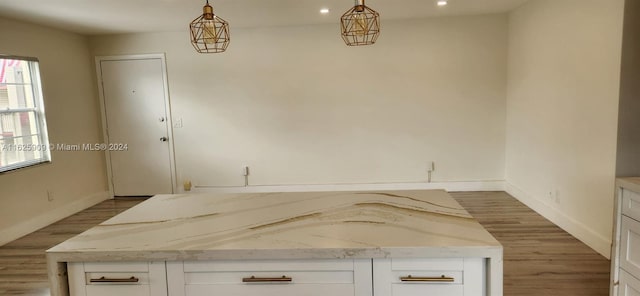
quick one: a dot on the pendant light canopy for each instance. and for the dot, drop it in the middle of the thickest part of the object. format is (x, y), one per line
(360, 25)
(209, 33)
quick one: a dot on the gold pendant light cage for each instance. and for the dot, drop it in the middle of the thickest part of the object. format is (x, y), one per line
(209, 33)
(360, 25)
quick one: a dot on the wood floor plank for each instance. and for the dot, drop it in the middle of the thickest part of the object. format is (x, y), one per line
(539, 257)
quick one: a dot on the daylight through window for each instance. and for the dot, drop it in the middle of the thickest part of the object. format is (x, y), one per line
(23, 133)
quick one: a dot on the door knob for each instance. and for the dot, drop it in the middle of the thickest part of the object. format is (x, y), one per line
(164, 139)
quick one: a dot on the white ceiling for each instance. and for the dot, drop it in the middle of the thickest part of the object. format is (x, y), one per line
(93, 17)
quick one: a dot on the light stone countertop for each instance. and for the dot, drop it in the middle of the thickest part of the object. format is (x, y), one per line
(631, 183)
(310, 225)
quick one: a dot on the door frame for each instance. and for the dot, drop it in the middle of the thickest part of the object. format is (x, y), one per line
(167, 104)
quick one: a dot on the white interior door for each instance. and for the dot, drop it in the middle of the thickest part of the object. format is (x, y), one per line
(136, 115)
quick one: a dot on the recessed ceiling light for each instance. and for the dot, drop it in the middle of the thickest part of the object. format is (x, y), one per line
(442, 3)
(324, 10)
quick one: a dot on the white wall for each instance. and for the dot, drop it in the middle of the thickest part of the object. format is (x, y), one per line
(562, 102)
(300, 107)
(77, 179)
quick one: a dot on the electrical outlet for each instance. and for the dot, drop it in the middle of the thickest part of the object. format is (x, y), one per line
(50, 195)
(431, 166)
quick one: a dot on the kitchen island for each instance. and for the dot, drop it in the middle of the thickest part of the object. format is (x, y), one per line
(383, 243)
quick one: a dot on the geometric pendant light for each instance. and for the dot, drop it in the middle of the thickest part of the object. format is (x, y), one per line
(360, 25)
(209, 33)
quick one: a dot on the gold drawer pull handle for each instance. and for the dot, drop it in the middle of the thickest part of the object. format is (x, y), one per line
(442, 279)
(132, 279)
(254, 279)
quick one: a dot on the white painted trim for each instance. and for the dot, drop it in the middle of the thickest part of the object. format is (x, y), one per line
(591, 238)
(103, 115)
(167, 103)
(449, 186)
(51, 216)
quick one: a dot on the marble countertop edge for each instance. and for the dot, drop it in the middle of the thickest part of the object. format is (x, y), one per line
(354, 253)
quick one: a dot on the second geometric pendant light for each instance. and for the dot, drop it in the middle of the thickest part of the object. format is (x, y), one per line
(360, 25)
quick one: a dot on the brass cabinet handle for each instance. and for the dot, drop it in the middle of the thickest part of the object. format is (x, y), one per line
(254, 279)
(132, 279)
(442, 279)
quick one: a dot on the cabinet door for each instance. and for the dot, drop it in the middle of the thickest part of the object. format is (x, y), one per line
(631, 204)
(630, 245)
(419, 277)
(119, 279)
(629, 286)
(270, 278)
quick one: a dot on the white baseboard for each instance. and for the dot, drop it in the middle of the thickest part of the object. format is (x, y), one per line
(449, 186)
(21, 229)
(596, 241)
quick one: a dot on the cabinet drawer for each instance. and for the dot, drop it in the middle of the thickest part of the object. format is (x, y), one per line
(412, 277)
(122, 279)
(630, 245)
(631, 204)
(271, 277)
(629, 285)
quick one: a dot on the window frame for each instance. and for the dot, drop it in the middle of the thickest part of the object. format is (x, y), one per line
(39, 116)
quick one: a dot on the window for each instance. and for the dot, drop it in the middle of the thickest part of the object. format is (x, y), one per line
(23, 132)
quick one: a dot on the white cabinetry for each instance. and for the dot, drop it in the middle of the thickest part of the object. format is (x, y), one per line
(271, 278)
(629, 285)
(117, 279)
(630, 246)
(417, 277)
(321, 277)
(625, 259)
